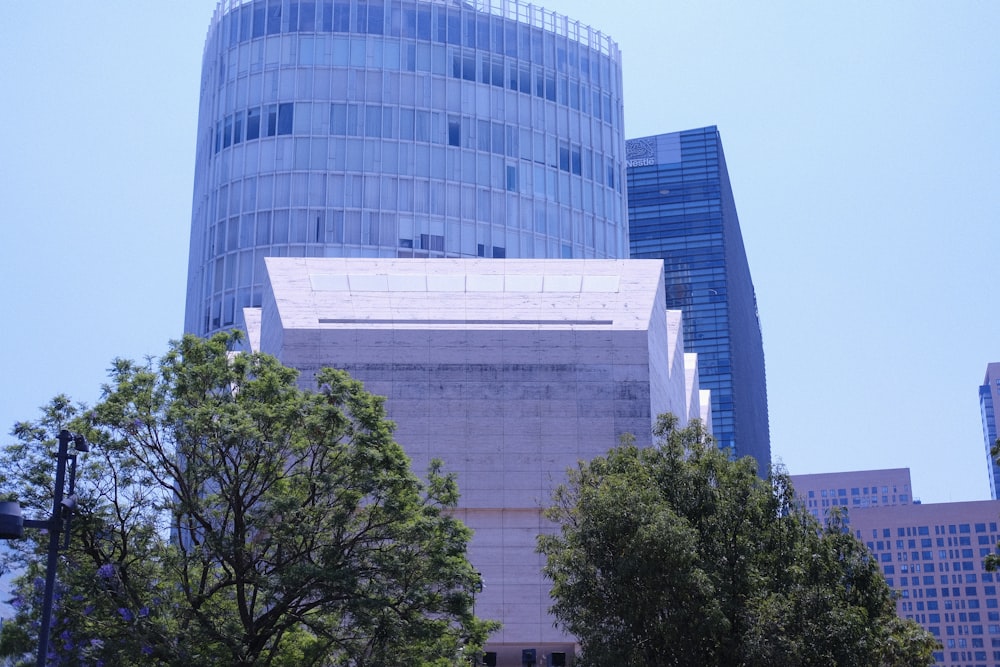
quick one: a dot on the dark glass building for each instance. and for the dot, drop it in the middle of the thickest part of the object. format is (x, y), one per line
(989, 397)
(681, 210)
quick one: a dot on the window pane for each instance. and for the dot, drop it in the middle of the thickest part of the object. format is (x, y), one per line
(285, 118)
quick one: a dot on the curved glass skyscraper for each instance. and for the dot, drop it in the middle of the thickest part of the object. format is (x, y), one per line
(399, 128)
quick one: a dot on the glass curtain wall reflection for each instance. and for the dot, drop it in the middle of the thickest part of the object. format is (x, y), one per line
(989, 398)
(399, 129)
(681, 209)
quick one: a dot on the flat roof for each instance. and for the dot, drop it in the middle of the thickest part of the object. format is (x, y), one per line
(311, 293)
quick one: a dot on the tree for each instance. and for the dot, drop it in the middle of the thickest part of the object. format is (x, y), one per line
(677, 555)
(114, 565)
(299, 534)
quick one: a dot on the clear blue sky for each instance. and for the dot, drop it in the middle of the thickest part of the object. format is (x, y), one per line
(863, 145)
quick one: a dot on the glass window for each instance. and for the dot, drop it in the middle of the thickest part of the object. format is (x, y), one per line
(272, 119)
(371, 18)
(253, 123)
(341, 20)
(338, 119)
(498, 140)
(273, 17)
(423, 23)
(245, 17)
(406, 124)
(259, 15)
(238, 127)
(307, 16)
(285, 118)
(373, 121)
(422, 123)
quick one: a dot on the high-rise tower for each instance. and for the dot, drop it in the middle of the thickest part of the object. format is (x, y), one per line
(681, 209)
(399, 128)
(989, 400)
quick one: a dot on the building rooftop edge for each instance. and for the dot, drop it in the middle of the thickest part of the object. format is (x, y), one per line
(527, 13)
(852, 472)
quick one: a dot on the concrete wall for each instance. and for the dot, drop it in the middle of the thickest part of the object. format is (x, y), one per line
(508, 408)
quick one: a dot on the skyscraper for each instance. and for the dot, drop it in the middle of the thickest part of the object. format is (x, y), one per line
(989, 398)
(399, 128)
(681, 209)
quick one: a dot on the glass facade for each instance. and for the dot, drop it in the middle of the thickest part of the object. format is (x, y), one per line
(395, 128)
(989, 396)
(681, 210)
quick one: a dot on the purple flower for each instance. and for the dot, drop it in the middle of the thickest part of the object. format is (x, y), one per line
(125, 614)
(106, 571)
(144, 612)
(147, 650)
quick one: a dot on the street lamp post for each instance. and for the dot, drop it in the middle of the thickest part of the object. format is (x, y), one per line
(12, 526)
(477, 587)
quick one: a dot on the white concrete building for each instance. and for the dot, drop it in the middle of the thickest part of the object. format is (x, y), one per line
(510, 371)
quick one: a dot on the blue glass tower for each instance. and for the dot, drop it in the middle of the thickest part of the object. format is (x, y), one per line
(989, 398)
(399, 128)
(681, 210)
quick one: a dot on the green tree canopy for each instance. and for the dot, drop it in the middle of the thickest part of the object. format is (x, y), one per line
(229, 517)
(677, 555)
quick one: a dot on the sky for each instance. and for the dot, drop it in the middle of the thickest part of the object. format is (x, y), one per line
(863, 146)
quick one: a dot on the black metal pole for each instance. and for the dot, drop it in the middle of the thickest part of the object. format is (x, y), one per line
(55, 531)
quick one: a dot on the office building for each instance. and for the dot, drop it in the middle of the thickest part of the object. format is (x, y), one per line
(864, 488)
(509, 371)
(402, 128)
(681, 210)
(932, 555)
(989, 396)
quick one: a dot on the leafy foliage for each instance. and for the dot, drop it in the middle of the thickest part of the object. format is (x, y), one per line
(677, 555)
(299, 535)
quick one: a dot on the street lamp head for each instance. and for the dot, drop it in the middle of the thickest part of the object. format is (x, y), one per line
(69, 504)
(80, 443)
(11, 521)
